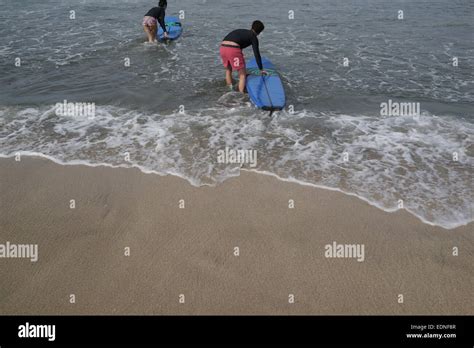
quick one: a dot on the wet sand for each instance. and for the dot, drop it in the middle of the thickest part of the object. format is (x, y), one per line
(191, 251)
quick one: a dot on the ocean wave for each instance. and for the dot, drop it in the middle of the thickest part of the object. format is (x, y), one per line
(426, 161)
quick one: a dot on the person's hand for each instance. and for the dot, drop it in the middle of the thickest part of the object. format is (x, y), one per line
(263, 72)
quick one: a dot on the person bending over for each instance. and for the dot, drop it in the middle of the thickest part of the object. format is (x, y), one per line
(233, 57)
(154, 16)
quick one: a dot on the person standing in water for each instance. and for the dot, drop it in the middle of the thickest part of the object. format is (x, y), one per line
(233, 57)
(154, 16)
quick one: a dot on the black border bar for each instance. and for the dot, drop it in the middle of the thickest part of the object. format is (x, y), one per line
(222, 330)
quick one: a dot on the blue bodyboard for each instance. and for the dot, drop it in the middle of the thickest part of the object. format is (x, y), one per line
(266, 92)
(174, 27)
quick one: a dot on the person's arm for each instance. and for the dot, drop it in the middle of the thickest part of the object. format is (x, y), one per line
(256, 52)
(161, 20)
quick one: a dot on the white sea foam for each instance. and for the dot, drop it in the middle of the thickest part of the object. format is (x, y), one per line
(390, 158)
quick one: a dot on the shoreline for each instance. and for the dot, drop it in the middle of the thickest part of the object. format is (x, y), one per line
(191, 251)
(265, 173)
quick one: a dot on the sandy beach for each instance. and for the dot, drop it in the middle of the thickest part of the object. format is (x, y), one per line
(191, 251)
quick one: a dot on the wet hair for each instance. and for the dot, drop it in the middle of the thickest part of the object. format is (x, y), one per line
(258, 27)
(163, 3)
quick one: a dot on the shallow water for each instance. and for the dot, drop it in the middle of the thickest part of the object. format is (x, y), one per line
(171, 111)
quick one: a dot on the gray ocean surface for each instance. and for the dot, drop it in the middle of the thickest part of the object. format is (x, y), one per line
(336, 108)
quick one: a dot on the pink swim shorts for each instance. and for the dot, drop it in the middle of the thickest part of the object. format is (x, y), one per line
(232, 56)
(149, 21)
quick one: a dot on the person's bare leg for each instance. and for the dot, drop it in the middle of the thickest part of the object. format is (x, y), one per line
(242, 79)
(148, 33)
(228, 76)
(154, 29)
